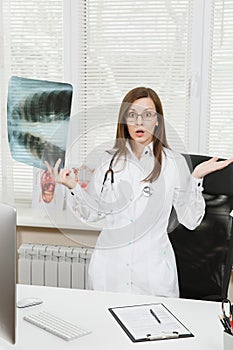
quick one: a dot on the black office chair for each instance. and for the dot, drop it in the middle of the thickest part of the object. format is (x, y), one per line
(205, 255)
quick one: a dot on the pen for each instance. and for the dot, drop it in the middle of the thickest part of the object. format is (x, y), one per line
(226, 326)
(221, 321)
(161, 336)
(226, 318)
(153, 314)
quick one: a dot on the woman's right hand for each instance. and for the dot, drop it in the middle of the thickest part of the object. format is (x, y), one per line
(63, 176)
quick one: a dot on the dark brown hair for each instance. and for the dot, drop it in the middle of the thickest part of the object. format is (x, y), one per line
(159, 136)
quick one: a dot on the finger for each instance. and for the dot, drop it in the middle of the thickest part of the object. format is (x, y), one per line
(227, 162)
(48, 167)
(58, 162)
(222, 164)
(212, 160)
(65, 172)
(75, 170)
(230, 160)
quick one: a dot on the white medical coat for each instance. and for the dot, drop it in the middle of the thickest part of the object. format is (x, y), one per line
(133, 253)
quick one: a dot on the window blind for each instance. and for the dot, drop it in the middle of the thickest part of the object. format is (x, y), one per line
(220, 116)
(125, 44)
(118, 45)
(33, 42)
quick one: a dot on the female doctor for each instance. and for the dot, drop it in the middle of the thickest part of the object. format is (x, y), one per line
(134, 189)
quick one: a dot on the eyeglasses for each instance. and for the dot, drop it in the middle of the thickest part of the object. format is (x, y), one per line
(147, 116)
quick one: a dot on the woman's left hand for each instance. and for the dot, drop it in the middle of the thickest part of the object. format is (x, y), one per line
(210, 166)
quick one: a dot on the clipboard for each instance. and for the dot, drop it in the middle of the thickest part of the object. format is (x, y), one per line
(146, 322)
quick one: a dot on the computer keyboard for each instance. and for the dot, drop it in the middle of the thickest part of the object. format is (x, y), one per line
(56, 326)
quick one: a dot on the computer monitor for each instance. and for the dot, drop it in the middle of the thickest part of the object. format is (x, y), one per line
(7, 272)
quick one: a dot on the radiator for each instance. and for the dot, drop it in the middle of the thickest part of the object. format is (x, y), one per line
(55, 266)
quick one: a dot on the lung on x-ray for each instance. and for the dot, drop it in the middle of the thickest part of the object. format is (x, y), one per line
(38, 115)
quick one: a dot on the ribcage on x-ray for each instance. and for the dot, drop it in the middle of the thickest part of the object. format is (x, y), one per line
(38, 114)
(44, 107)
(38, 147)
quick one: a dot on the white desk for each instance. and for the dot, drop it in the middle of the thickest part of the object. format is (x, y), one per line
(90, 310)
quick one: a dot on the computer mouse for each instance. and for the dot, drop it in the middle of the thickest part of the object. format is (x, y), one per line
(30, 301)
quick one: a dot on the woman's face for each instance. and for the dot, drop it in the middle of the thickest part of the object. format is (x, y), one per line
(141, 120)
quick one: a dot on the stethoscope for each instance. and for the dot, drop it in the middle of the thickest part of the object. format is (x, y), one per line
(147, 191)
(109, 171)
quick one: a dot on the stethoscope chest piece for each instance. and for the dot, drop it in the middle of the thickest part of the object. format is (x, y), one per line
(147, 191)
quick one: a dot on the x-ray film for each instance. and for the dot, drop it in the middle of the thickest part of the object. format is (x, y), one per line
(38, 115)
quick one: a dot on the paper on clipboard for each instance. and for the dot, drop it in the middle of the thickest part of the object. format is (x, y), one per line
(149, 322)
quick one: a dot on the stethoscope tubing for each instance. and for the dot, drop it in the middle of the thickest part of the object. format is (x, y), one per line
(146, 190)
(109, 171)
